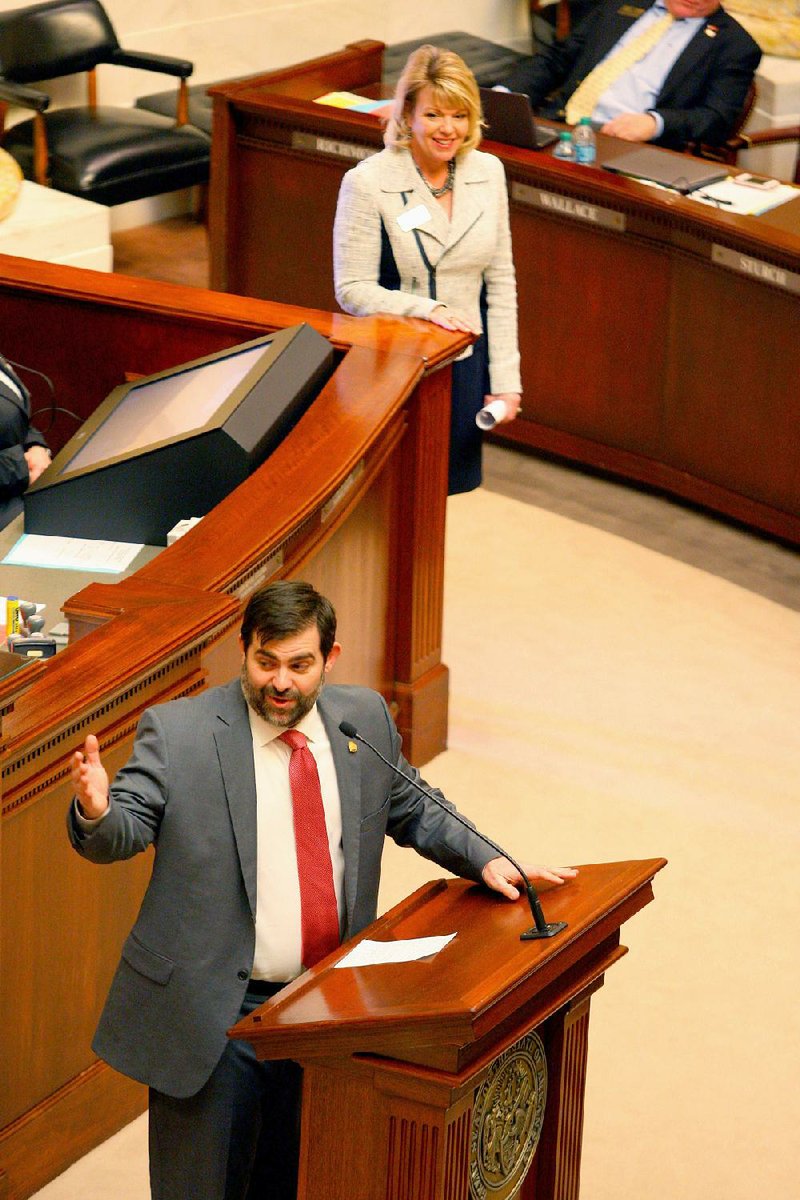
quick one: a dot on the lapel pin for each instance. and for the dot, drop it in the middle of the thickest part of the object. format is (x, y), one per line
(352, 747)
(712, 30)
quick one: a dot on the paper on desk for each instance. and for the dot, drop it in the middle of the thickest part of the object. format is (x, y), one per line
(352, 101)
(367, 953)
(730, 196)
(71, 554)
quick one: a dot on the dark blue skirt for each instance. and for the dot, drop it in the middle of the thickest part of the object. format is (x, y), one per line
(470, 382)
(470, 386)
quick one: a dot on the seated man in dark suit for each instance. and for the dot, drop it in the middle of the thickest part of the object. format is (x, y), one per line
(662, 71)
(23, 450)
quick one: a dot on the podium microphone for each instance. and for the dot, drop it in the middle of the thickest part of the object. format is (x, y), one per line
(541, 928)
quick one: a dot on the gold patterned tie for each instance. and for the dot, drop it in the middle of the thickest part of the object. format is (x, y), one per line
(584, 99)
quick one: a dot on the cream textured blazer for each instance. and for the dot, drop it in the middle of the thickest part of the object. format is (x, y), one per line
(471, 248)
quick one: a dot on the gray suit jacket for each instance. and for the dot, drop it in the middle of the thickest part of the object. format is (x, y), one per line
(471, 249)
(189, 788)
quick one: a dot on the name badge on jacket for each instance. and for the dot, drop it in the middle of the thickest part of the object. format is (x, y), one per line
(414, 218)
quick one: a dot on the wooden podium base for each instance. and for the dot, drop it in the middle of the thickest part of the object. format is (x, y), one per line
(509, 1126)
(461, 1076)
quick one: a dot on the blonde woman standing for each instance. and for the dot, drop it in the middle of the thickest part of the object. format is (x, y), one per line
(422, 230)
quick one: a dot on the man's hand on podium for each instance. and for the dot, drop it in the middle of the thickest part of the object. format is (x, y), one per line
(502, 876)
(90, 780)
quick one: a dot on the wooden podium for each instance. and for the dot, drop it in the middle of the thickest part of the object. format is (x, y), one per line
(461, 1076)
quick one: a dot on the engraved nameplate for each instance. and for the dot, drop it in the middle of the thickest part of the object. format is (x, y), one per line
(755, 268)
(326, 145)
(338, 496)
(568, 206)
(260, 576)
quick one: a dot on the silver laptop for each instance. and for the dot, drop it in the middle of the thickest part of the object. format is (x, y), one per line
(680, 172)
(509, 119)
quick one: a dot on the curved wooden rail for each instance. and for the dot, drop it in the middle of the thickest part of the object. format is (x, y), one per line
(354, 499)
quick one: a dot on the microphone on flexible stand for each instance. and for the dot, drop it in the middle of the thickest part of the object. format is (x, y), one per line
(541, 928)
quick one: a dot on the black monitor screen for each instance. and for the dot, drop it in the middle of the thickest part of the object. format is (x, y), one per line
(173, 445)
(160, 409)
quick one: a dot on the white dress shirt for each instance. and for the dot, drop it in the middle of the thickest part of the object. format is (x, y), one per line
(278, 927)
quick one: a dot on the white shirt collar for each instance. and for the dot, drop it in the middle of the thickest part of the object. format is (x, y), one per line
(264, 733)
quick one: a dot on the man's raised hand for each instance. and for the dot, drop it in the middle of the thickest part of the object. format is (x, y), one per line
(90, 780)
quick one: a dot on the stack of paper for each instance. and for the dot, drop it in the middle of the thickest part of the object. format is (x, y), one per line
(352, 101)
(742, 201)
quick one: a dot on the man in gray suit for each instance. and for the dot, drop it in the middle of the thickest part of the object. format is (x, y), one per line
(221, 925)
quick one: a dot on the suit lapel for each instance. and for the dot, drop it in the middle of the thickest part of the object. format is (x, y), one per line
(469, 198)
(399, 175)
(348, 776)
(20, 400)
(689, 61)
(234, 744)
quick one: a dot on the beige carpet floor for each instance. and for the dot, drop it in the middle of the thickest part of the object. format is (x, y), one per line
(623, 693)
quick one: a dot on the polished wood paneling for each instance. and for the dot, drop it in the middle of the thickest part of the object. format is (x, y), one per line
(558, 1174)
(326, 505)
(587, 362)
(645, 351)
(743, 437)
(69, 1123)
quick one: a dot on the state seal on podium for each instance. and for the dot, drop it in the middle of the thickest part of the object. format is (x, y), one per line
(507, 1119)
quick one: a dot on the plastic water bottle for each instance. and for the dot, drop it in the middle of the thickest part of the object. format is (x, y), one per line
(565, 147)
(585, 141)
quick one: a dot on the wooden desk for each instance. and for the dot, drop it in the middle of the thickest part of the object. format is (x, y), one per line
(353, 500)
(660, 338)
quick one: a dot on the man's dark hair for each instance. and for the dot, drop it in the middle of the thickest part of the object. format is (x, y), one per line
(284, 608)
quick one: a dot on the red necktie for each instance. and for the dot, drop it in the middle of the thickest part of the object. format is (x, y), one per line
(318, 908)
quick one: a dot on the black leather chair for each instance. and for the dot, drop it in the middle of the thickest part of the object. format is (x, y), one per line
(489, 62)
(109, 155)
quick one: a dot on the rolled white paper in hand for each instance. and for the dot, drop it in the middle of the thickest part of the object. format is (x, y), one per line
(488, 417)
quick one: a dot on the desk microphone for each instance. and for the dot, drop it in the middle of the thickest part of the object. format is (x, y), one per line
(541, 928)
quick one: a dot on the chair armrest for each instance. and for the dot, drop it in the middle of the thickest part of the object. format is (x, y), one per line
(767, 137)
(17, 93)
(737, 142)
(164, 63)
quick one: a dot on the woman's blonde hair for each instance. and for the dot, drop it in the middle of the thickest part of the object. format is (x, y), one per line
(453, 86)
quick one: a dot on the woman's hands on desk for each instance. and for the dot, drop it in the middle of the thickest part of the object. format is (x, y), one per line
(450, 319)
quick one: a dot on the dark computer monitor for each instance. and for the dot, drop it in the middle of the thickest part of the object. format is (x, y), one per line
(509, 119)
(172, 445)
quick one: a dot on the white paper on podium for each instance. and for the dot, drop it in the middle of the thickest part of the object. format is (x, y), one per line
(367, 953)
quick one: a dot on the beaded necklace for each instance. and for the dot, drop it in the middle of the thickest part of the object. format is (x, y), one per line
(448, 183)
